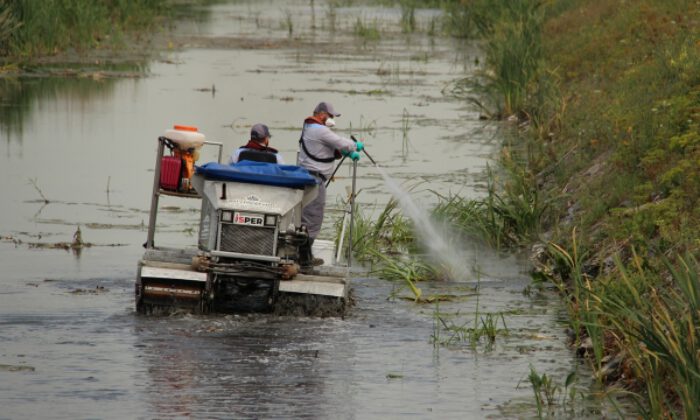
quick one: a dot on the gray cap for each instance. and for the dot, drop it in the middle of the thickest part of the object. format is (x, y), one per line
(259, 132)
(326, 107)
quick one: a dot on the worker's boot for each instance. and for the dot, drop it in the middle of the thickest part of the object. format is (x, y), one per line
(306, 257)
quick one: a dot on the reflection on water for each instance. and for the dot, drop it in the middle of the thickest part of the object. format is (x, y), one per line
(20, 96)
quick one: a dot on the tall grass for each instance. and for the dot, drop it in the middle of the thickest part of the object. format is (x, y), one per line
(514, 70)
(55, 25)
(509, 215)
(613, 94)
(660, 324)
(388, 233)
(652, 318)
(581, 300)
(8, 26)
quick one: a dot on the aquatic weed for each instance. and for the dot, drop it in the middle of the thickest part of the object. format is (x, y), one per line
(288, 23)
(367, 31)
(410, 270)
(408, 16)
(405, 127)
(389, 233)
(509, 215)
(546, 392)
(332, 15)
(484, 328)
(483, 325)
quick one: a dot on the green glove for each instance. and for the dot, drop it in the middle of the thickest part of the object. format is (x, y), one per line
(360, 146)
(345, 153)
(354, 156)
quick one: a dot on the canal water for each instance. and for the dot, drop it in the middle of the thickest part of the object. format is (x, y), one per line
(78, 146)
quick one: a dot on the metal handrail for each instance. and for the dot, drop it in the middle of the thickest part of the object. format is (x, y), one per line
(157, 191)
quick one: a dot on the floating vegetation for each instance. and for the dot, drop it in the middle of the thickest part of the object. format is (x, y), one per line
(16, 368)
(95, 291)
(409, 270)
(435, 298)
(371, 92)
(76, 245)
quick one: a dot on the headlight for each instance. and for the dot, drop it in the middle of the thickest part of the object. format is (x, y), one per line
(270, 220)
(227, 216)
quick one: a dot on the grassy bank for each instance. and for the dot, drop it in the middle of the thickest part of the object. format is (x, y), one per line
(31, 28)
(611, 145)
(601, 169)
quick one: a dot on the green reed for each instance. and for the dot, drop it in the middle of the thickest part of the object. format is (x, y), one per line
(509, 215)
(407, 269)
(60, 24)
(548, 393)
(388, 233)
(367, 31)
(658, 322)
(513, 49)
(408, 15)
(484, 328)
(581, 299)
(652, 318)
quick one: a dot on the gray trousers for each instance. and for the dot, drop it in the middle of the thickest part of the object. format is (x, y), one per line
(312, 213)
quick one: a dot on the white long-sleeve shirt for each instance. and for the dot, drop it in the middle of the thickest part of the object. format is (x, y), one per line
(322, 143)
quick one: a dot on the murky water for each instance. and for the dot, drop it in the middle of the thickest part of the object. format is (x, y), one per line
(70, 343)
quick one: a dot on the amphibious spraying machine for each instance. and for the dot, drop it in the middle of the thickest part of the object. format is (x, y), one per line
(250, 231)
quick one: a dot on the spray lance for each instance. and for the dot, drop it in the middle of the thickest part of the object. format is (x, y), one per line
(365, 150)
(343, 160)
(350, 209)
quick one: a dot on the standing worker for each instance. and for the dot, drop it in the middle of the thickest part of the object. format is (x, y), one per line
(319, 147)
(258, 148)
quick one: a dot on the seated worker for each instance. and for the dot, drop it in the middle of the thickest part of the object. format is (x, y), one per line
(257, 148)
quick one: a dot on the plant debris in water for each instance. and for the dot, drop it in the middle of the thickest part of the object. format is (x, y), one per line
(76, 244)
(95, 291)
(16, 368)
